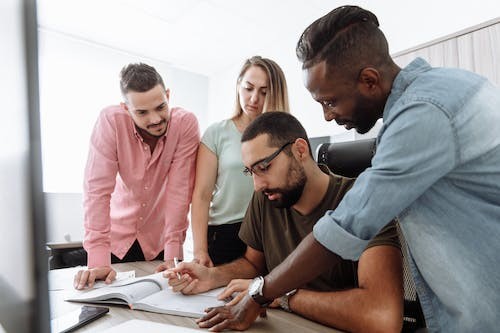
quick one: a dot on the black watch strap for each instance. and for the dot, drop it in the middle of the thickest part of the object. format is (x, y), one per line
(261, 300)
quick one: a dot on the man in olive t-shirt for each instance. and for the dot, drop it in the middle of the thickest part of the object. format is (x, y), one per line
(276, 232)
(291, 193)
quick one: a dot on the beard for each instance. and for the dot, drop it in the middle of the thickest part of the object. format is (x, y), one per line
(366, 113)
(146, 132)
(292, 192)
(157, 135)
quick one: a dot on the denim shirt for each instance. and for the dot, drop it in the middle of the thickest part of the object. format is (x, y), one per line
(437, 168)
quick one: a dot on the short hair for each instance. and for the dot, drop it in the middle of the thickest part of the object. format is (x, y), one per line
(348, 38)
(280, 127)
(139, 77)
(277, 91)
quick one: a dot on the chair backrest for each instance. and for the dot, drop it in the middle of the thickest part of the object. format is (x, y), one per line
(349, 159)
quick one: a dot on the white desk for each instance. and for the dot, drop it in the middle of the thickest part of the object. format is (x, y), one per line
(61, 284)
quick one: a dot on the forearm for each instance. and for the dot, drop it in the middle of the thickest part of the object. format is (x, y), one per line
(174, 229)
(240, 268)
(97, 225)
(176, 213)
(353, 310)
(176, 208)
(199, 223)
(306, 262)
(174, 236)
(205, 180)
(98, 252)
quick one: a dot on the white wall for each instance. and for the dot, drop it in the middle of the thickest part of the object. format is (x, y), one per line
(64, 217)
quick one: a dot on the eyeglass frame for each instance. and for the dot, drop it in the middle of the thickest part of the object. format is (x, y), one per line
(249, 171)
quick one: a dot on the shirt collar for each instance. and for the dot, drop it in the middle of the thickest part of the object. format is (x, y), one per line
(404, 78)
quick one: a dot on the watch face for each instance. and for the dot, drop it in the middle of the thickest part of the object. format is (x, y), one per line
(254, 287)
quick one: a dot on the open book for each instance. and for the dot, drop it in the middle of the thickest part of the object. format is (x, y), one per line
(150, 293)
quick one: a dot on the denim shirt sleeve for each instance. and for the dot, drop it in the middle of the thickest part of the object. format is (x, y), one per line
(416, 147)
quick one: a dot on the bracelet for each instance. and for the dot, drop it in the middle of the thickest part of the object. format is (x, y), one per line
(284, 300)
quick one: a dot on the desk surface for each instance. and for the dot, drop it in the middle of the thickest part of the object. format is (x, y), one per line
(61, 284)
(64, 245)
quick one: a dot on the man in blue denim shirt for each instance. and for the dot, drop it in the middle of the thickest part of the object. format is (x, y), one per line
(437, 168)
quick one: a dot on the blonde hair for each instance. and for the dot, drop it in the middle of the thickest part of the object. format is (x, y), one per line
(277, 91)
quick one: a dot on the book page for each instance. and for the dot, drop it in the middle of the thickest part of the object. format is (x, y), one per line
(64, 281)
(128, 291)
(155, 278)
(214, 292)
(121, 277)
(169, 302)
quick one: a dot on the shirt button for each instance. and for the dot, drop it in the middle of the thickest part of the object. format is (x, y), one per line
(143, 204)
(145, 187)
(140, 218)
(145, 147)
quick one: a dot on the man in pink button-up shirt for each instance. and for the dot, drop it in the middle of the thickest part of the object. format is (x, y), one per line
(139, 176)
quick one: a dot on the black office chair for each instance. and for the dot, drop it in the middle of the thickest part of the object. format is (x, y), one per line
(349, 159)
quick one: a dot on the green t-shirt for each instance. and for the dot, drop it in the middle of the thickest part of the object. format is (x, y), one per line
(233, 190)
(277, 231)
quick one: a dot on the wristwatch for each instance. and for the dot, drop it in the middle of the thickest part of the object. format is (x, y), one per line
(255, 291)
(284, 300)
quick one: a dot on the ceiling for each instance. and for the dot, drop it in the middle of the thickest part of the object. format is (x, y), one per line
(206, 36)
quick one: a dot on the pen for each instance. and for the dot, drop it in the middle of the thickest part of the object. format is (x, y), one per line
(176, 263)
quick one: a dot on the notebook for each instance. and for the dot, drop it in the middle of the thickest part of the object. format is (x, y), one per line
(150, 293)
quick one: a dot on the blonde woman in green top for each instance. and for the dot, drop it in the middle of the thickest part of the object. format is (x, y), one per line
(222, 193)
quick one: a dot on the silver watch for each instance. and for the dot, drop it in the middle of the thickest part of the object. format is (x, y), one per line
(255, 291)
(285, 300)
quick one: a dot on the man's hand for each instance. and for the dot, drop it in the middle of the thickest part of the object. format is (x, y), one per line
(203, 258)
(237, 317)
(238, 286)
(89, 276)
(165, 265)
(194, 278)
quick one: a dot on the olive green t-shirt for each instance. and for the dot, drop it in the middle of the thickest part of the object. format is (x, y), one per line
(277, 231)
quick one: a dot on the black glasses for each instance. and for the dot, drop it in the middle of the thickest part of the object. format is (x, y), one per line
(261, 166)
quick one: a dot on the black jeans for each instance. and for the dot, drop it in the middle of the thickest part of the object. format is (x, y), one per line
(224, 244)
(133, 254)
(79, 257)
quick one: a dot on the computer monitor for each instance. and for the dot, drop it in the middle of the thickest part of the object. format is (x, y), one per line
(24, 304)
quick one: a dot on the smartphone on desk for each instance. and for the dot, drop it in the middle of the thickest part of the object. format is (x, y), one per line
(76, 319)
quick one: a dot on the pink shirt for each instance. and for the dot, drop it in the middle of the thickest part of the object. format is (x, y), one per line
(131, 194)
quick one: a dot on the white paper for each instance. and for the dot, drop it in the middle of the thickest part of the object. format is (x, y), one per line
(169, 302)
(65, 281)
